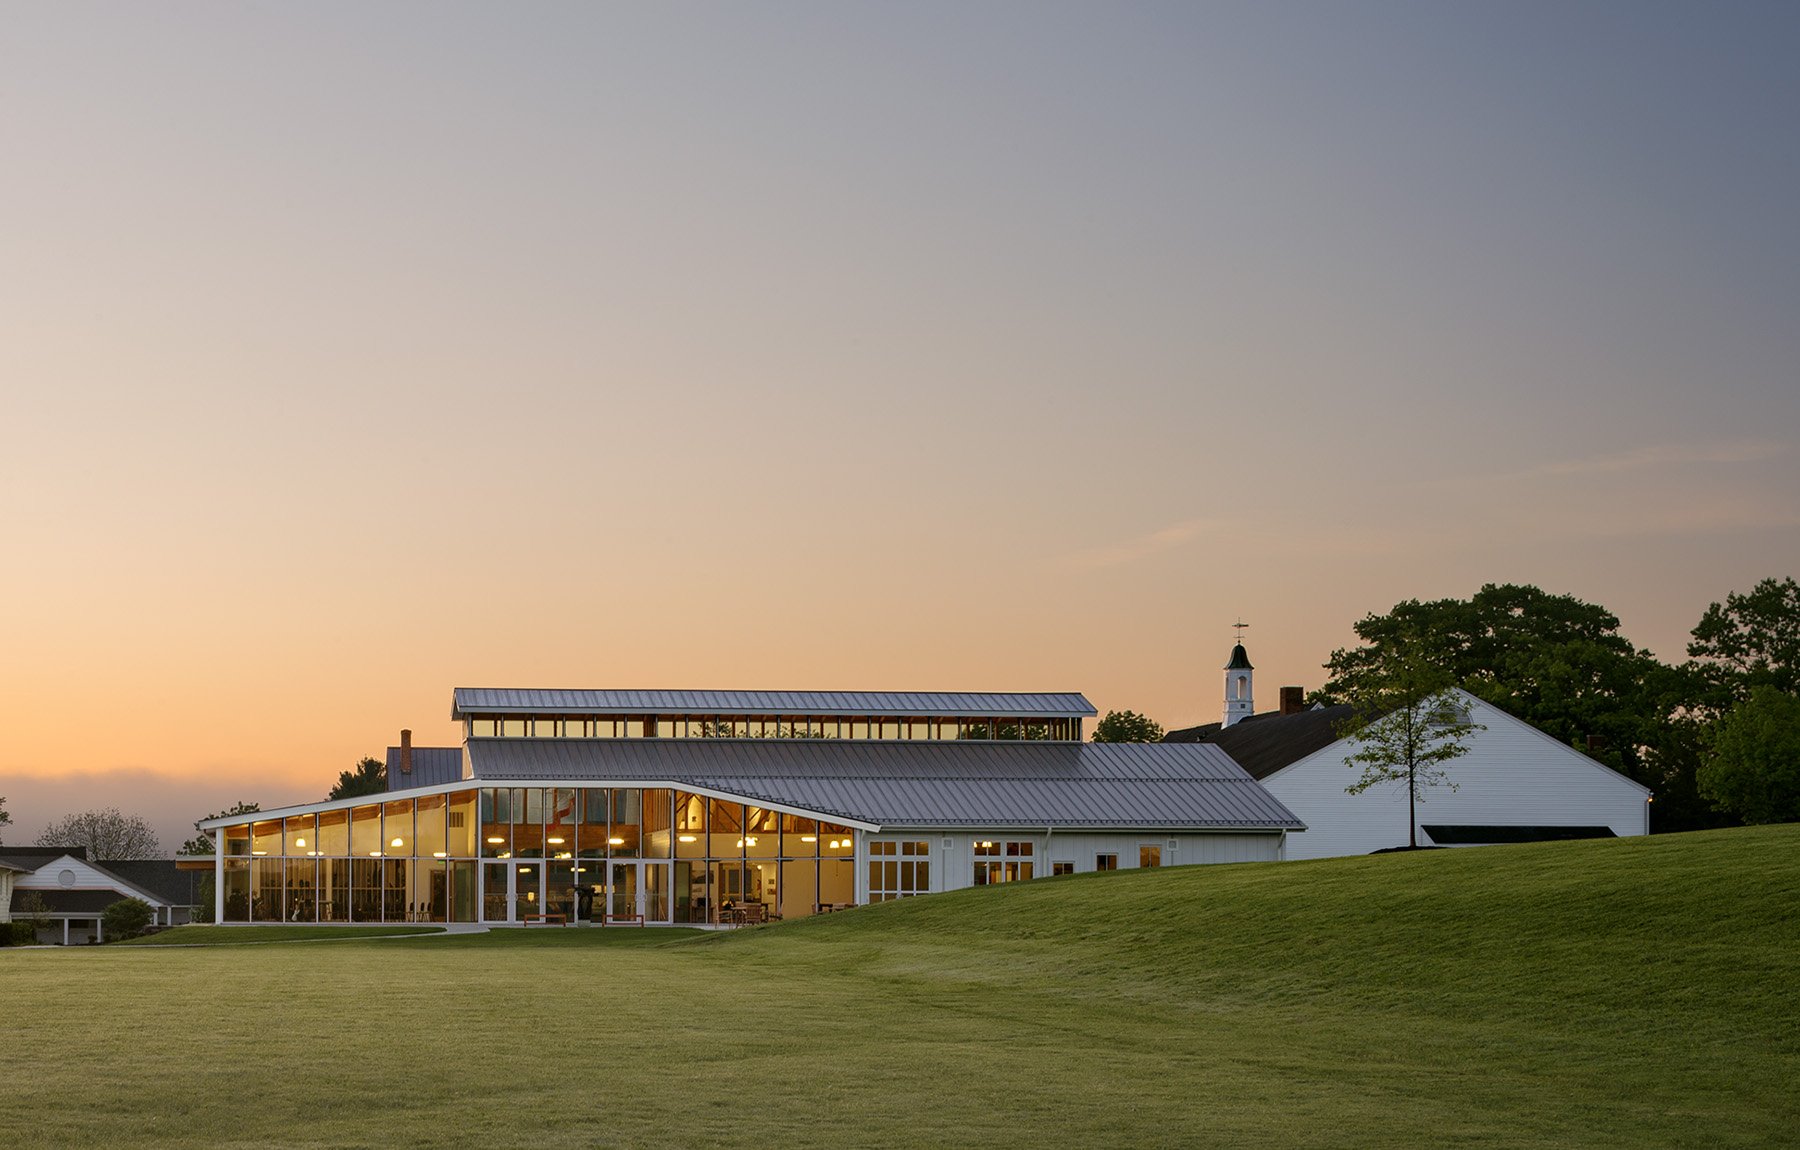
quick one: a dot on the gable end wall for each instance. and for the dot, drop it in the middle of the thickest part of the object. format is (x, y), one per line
(1513, 774)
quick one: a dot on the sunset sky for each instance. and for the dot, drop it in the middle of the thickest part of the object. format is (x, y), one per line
(353, 353)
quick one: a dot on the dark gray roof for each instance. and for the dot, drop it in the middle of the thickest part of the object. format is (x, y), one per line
(430, 766)
(1240, 660)
(67, 902)
(924, 784)
(31, 858)
(901, 704)
(159, 877)
(1263, 744)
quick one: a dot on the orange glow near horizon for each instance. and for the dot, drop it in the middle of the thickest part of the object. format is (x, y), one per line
(964, 363)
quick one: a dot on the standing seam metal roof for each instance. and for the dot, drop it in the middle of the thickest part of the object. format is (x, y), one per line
(924, 784)
(900, 704)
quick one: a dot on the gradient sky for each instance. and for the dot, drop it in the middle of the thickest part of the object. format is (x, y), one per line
(352, 353)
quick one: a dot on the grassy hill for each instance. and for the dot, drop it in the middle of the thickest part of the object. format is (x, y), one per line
(1625, 993)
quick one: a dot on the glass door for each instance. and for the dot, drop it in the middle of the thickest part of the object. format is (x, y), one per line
(622, 903)
(655, 889)
(528, 876)
(639, 891)
(559, 888)
(496, 892)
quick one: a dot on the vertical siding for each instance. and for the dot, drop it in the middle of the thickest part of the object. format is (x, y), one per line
(1512, 775)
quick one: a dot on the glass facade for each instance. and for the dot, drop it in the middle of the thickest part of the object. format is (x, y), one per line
(511, 854)
(885, 727)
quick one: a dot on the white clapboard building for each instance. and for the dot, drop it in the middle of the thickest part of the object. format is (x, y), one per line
(1515, 783)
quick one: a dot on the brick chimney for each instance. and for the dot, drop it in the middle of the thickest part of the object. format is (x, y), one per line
(1293, 700)
(406, 752)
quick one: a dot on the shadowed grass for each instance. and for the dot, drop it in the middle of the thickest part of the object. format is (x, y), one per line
(199, 935)
(1624, 993)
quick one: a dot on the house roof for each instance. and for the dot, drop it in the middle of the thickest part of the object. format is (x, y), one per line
(32, 858)
(1263, 744)
(901, 704)
(160, 877)
(85, 903)
(430, 766)
(973, 783)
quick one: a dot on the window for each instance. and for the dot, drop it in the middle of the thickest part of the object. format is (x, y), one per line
(1062, 867)
(1150, 856)
(1106, 862)
(898, 869)
(997, 862)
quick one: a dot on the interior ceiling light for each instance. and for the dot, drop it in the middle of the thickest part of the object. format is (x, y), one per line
(495, 840)
(687, 838)
(809, 838)
(299, 842)
(554, 841)
(616, 842)
(374, 854)
(398, 843)
(437, 854)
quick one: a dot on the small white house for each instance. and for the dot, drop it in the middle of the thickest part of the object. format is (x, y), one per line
(60, 886)
(1514, 784)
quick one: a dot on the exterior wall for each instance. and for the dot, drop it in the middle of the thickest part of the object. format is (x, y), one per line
(953, 866)
(6, 891)
(1513, 774)
(48, 877)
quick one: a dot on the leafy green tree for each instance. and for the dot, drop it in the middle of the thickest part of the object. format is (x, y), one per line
(1750, 641)
(32, 911)
(202, 843)
(126, 918)
(1557, 663)
(1407, 726)
(1753, 768)
(1127, 727)
(106, 833)
(368, 777)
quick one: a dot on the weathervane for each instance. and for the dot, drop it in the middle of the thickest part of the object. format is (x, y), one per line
(1239, 628)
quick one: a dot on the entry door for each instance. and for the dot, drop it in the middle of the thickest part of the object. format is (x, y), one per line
(639, 889)
(496, 893)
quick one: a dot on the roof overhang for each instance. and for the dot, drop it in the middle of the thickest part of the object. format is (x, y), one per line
(474, 784)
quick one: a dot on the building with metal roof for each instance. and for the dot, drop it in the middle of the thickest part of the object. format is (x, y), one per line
(722, 807)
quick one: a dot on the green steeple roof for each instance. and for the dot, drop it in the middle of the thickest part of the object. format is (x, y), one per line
(1240, 661)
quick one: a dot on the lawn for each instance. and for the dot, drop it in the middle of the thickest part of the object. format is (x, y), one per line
(1624, 993)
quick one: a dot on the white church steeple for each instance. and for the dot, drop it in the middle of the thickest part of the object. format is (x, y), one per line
(1238, 681)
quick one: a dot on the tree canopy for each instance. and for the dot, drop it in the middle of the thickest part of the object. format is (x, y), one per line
(1556, 662)
(1752, 768)
(1127, 727)
(106, 833)
(202, 843)
(1750, 641)
(5, 819)
(1407, 724)
(368, 777)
